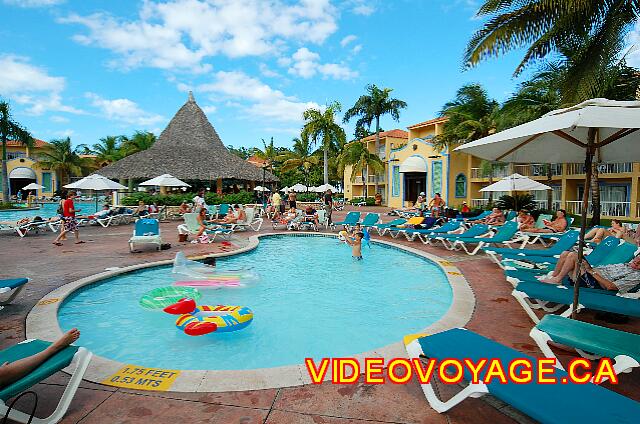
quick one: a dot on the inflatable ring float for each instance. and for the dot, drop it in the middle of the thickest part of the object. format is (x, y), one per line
(204, 319)
(162, 297)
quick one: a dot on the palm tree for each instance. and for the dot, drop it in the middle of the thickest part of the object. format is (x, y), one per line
(269, 153)
(62, 158)
(108, 150)
(140, 141)
(320, 127)
(543, 26)
(361, 159)
(301, 157)
(370, 107)
(10, 130)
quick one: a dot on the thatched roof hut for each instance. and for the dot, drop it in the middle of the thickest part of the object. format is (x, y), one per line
(189, 149)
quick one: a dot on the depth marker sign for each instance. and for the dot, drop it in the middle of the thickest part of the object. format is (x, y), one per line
(141, 378)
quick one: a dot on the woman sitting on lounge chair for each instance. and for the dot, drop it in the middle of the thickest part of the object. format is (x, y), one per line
(184, 208)
(558, 225)
(525, 220)
(596, 235)
(495, 218)
(141, 210)
(618, 277)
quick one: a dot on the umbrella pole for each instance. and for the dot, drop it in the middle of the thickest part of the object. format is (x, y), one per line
(583, 223)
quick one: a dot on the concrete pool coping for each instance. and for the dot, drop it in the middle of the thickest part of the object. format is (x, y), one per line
(42, 323)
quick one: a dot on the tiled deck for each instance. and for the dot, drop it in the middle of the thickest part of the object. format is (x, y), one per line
(497, 316)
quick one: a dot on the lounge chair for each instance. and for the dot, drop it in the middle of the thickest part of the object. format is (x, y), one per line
(411, 233)
(566, 242)
(382, 227)
(397, 230)
(66, 357)
(503, 236)
(251, 222)
(350, 220)
(547, 238)
(146, 231)
(537, 295)
(589, 340)
(13, 286)
(447, 240)
(223, 210)
(192, 227)
(546, 403)
(482, 215)
(446, 228)
(370, 220)
(23, 229)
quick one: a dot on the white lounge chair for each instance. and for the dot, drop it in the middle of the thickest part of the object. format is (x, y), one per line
(146, 231)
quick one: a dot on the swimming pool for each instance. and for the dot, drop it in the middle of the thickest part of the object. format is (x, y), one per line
(46, 211)
(312, 300)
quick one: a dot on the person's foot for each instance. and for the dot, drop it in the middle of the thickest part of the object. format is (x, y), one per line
(57, 243)
(66, 339)
(80, 242)
(549, 280)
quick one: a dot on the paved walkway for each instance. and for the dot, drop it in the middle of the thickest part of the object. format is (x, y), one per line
(497, 316)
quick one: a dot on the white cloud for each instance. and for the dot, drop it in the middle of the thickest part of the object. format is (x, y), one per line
(267, 72)
(356, 49)
(64, 133)
(362, 7)
(633, 46)
(255, 97)
(124, 111)
(348, 39)
(209, 109)
(59, 119)
(183, 33)
(32, 86)
(33, 3)
(306, 64)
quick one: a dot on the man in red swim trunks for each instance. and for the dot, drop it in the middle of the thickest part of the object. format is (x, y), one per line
(69, 216)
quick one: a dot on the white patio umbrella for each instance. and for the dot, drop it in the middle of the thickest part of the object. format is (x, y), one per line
(165, 180)
(298, 187)
(260, 188)
(516, 182)
(324, 187)
(33, 186)
(96, 182)
(284, 189)
(575, 134)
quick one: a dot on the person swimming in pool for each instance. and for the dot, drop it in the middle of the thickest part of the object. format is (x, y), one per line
(355, 242)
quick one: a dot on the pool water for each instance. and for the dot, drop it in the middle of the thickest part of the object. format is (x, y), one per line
(312, 300)
(47, 211)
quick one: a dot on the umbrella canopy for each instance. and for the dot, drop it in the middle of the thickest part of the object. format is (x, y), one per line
(260, 188)
(95, 182)
(284, 189)
(516, 182)
(298, 187)
(324, 187)
(562, 135)
(570, 135)
(33, 186)
(165, 180)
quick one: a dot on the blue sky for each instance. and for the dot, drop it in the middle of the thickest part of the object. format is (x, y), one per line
(88, 69)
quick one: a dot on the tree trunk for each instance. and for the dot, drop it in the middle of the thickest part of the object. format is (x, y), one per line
(549, 192)
(5, 172)
(490, 182)
(595, 195)
(377, 147)
(364, 192)
(326, 163)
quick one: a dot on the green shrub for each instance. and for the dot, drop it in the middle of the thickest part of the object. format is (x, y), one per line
(370, 200)
(6, 205)
(516, 201)
(176, 199)
(307, 197)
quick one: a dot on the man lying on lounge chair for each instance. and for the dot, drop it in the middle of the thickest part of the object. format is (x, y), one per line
(558, 225)
(618, 277)
(13, 371)
(495, 218)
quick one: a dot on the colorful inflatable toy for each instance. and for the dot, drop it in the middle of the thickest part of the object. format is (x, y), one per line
(211, 284)
(165, 296)
(205, 319)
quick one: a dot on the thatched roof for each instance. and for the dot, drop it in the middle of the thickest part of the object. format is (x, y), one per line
(189, 149)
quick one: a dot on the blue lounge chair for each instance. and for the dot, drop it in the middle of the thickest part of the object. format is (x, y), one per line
(72, 354)
(546, 403)
(536, 295)
(350, 220)
(547, 238)
(146, 231)
(482, 215)
(13, 286)
(381, 228)
(425, 227)
(590, 341)
(447, 240)
(566, 242)
(503, 236)
(370, 220)
(223, 210)
(447, 227)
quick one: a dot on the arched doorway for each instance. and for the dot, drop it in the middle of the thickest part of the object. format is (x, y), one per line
(414, 170)
(20, 177)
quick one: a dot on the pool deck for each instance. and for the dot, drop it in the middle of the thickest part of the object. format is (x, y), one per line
(497, 315)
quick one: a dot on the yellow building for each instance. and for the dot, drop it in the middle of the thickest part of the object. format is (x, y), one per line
(23, 169)
(413, 166)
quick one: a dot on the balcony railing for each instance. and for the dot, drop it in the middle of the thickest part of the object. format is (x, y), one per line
(358, 180)
(497, 173)
(603, 168)
(479, 203)
(542, 204)
(607, 208)
(537, 169)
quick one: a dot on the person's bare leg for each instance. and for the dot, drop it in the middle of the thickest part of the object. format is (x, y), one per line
(560, 264)
(591, 234)
(61, 236)
(567, 268)
(76, 233)
(14, 371)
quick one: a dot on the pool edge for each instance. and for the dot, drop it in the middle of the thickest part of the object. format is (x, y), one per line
(40, 325)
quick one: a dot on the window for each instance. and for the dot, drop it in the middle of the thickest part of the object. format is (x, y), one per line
(46, 182)
(461, 185)
(395, 187)
(436, 177)
(15, 155)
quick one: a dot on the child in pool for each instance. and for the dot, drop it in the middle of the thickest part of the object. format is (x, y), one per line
(356, 245)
